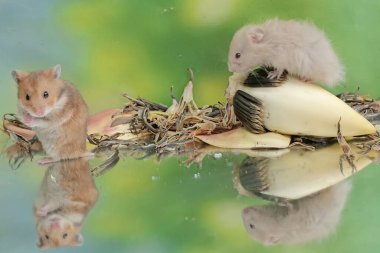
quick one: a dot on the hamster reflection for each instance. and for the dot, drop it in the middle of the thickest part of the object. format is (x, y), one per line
(310, 189)
(66, 195)
(310, 218)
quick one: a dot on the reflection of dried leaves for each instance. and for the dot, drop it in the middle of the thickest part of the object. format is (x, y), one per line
(372, 143)
(310, 142)
(106, 165)
(347, 154)
(17, 154)
(300, 144)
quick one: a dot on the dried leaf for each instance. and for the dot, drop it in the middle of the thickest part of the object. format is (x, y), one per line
(121, 120)
(347, 154)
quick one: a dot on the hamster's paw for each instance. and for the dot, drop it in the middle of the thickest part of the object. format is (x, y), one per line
(275, 74)
(28, 120)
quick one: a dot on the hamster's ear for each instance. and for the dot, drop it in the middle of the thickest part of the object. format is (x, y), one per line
(78, 240)
(255, 35)
(56, 71)
(19, 75)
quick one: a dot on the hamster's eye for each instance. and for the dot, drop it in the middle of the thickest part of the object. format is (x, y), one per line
(27, 97)
(64, 236)
(47, 237)
(46, 94)
(251, 226)
(237, 55)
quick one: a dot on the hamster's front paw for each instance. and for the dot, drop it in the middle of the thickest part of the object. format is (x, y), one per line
(275, 74)
(28, 119)
(32, 122)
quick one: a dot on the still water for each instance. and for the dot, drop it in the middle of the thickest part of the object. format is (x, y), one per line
(213, 205)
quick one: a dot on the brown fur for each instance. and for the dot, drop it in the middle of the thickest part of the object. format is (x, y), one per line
(60, 120)
(66, 195)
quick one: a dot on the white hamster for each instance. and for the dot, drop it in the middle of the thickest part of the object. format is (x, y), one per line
(298, 47)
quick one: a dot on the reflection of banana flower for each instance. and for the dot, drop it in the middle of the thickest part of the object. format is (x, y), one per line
(298, 173)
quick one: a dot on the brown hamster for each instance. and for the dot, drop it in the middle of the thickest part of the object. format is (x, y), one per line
(304, 220)
(55, 110)
(300, 48)
(66, 195)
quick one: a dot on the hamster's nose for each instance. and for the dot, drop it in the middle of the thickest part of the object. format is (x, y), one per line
(39, 111)
(54, 225)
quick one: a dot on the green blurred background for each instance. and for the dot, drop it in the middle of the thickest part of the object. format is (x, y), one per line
(110, 47)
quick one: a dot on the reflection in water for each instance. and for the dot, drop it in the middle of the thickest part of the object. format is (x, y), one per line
(299, 172)
(309, 218)
(66, 195)
(309, 190)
